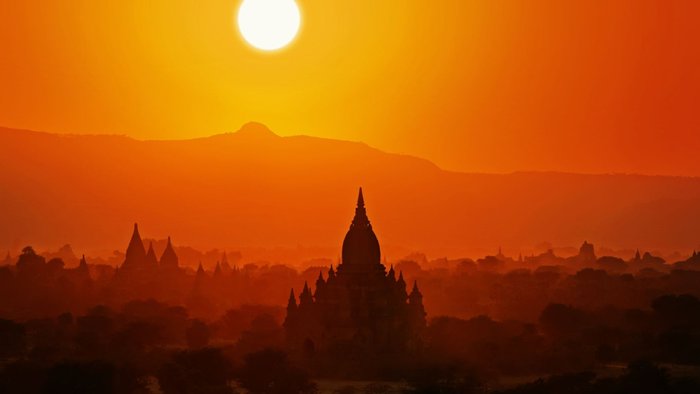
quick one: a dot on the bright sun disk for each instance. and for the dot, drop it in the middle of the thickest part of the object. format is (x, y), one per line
(269, 24)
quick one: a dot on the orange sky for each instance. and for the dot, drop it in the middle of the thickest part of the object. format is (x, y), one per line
(496, 86)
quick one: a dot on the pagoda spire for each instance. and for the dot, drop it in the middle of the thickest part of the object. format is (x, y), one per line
(401, 285)
(292, 303)
(83, 266)
(135, 252)
(169, 259)
(320, 285)
(200, 269)
(417, 310)
(360, 218)
(305, 298)
(151, 255)
(415, 292)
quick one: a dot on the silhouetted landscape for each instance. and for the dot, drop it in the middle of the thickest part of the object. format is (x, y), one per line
(349, 197)
(508, 324)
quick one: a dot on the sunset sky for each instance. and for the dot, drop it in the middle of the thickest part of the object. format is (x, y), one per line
(488, 86)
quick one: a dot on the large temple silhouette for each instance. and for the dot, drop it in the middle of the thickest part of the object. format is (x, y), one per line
(360, 307)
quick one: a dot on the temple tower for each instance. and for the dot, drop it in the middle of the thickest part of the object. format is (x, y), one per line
(359, 306)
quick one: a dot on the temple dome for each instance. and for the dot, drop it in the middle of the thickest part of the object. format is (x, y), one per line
(361, 245)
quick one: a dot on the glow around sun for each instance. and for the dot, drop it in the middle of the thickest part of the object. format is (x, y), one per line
(269, 24)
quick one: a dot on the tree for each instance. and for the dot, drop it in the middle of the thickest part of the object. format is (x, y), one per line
(12, 338)
(645, 377)
(197, 334)
(559, 319)
(204, 371)
(91, 377)
(270, 372)
(29, 261)
(444, 378)
(22, 377)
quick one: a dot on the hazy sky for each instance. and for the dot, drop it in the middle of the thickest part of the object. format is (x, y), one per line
(496, 86)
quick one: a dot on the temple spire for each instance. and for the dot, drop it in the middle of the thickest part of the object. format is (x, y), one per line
(415, 288)
(135, 252)
(360, 218)
(83, 266)
(169, 258)
(151, 255)
(136, 237)
(320, 285)
(292, 303)
(416, 308)
(305, 298)
(360, 246)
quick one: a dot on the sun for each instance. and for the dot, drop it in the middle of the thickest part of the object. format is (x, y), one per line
(269, 24)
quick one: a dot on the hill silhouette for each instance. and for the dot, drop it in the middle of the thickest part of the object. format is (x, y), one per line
(255, 188)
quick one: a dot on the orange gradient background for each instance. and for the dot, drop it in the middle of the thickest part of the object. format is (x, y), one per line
(583, 86)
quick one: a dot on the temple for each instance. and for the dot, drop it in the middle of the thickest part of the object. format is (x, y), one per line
(137, 259)
(360, 307)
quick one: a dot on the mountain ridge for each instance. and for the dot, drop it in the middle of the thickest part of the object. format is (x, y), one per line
(333, 140)
(260, 189)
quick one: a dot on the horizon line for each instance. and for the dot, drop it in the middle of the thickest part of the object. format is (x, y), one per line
(465, 172)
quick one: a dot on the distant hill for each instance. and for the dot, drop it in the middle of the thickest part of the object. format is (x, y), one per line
(254, 188)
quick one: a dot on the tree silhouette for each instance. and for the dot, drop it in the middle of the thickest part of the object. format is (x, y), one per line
(91, 377)
(197, 334)
(204, 371)
(270, 372)
(12, 338)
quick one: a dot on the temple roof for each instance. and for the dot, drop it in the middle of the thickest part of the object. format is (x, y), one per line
(360, 245)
